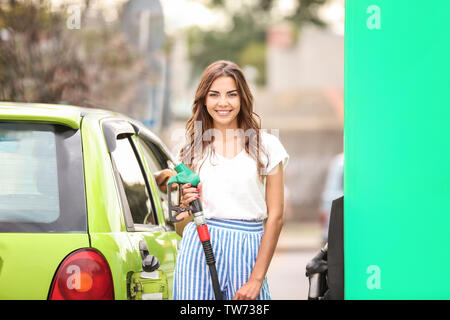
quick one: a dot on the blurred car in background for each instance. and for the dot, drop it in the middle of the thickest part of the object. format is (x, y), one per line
(81, 215)
(334, 188)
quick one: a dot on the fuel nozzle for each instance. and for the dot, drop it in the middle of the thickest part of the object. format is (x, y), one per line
(184, 175)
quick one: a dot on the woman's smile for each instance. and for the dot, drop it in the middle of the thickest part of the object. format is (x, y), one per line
(223, 102)
(223, 112)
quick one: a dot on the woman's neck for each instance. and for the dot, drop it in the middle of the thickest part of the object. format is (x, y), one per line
(227, 131)
(225, 135)
(229, 142)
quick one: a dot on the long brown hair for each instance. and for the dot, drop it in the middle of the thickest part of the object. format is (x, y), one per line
(247, 119)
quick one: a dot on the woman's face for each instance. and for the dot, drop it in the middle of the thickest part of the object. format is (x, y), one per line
(223, 102)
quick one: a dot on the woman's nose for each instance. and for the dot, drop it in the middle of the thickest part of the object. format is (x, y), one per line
(223, 101)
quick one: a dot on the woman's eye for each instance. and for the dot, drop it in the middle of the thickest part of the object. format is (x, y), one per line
(213, 94)
(233, 94)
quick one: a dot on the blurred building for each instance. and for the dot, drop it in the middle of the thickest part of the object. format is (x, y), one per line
(304, 101)
(312, 60)
(182, 90)
(143, 23)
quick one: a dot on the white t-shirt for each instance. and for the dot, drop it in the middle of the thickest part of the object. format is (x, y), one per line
(231, 188)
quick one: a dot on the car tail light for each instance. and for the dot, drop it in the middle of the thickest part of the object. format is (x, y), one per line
(83, 275)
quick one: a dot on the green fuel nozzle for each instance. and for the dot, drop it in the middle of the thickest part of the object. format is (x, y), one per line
(185, 175)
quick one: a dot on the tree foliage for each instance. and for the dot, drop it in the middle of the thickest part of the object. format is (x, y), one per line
(42, 60)
(245, 42)
(208, 46)
(305, 10)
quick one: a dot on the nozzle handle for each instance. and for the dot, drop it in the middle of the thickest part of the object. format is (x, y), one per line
(178, 209)
(185, 175)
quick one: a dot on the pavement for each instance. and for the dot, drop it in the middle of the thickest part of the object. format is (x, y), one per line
(299, 236)
(297, 245)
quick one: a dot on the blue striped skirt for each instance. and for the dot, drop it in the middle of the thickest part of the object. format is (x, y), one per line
(235, 244)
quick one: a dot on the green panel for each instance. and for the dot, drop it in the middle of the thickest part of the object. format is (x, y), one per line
(28, 262)
(163, 245)
(121, 250)
(122, 258)
(397, 155)
(103, 204)
(47, 113)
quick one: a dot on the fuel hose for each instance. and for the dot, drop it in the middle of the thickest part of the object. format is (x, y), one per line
(186, 175)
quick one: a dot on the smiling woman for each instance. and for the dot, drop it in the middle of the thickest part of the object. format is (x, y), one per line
(223, 103)
(223, 107)
(239, 191)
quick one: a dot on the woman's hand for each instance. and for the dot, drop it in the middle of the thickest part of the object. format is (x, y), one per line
(161, 178)
(249, 291)
(190, 193)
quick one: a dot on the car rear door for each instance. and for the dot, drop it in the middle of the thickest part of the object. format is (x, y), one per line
(42, 205)
(141, 205)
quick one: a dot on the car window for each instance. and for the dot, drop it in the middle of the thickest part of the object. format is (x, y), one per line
(34, 189)
(133, 181)
(157, 163)
(150, 156)
(30, 180)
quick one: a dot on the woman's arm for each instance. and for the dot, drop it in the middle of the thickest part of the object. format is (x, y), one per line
(275, 207)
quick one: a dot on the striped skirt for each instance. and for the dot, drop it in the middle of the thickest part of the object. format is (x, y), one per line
(235, 244)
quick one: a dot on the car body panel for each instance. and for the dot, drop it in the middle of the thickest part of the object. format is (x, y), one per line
(28, 262)
(107, 230)
(118, 251)
(163, 246)
(101, 190)
(69, 116)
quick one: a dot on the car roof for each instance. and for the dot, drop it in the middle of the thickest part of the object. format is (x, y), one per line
(67, 115)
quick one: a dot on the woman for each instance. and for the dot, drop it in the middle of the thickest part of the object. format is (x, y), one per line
(241, 173)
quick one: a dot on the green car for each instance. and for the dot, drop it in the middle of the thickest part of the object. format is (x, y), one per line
(81, 214)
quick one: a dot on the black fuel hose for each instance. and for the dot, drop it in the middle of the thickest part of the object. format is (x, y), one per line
(205, 239)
